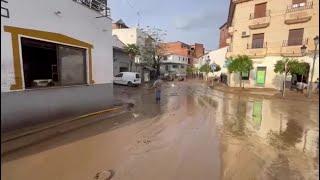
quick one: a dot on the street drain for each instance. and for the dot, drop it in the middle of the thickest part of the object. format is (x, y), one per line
(104, 175)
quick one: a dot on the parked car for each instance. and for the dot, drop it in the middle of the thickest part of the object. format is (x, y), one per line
(127, 78)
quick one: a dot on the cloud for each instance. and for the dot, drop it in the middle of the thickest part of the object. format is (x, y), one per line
(202, 20)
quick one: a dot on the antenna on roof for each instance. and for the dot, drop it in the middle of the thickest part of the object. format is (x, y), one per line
(138, 14)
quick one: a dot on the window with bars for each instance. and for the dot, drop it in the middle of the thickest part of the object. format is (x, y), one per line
(257, 41)
(295, 37)
(298, 3)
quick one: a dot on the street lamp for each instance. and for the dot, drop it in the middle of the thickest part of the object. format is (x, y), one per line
(316, 43)
(303, 49)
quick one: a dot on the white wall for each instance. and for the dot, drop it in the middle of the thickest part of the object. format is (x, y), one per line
(176, 59)
(219, 57)
(75, 20)
(273, 80)
(127, 36)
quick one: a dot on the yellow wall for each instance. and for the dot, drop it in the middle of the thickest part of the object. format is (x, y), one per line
(274, 34)
(277, 31)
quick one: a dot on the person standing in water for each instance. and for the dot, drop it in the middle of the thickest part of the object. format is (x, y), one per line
(157, 85)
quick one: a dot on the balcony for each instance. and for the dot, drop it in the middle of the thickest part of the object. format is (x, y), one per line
(97, 5)
(299, 13)
(292, 48)
(259, 22)
(257, 50)
(230, 30)
(239, 1)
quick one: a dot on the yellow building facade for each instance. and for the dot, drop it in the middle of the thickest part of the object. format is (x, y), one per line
(270, 30)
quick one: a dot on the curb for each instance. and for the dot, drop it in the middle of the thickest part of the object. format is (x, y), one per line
(37, 130)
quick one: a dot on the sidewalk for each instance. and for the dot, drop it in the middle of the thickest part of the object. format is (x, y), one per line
(264, 92)
(19, 138)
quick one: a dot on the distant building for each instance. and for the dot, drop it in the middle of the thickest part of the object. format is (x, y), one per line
(183, 49)
(56, 60)
(121, 60)
(224, 35)
(174, 64)
(133, 35)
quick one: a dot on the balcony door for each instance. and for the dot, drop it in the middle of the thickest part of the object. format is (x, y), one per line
(257, 41)
(295, 37)
(260, 10)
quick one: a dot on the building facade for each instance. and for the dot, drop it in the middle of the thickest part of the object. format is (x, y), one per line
(174, 64)
(121, 60)
(268, 31)
(63, 45)
(224, 35)
(186, 50)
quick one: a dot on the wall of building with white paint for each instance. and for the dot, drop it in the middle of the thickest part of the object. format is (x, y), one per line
(175, 59)
(272, 79)
(64, 17)
(70, 19)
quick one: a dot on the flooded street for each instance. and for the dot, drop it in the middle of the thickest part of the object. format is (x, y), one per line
(194, 133)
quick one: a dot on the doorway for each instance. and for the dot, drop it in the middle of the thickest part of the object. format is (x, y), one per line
(261, 76)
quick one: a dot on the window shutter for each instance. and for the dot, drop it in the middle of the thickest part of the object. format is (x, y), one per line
(257, 40)
(260, 10)
(298, 1)
(295, 37)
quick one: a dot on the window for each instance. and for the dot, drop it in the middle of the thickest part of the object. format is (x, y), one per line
(137, 75)
(257, 41)
(49, 64)
(165, 58)
(119, 75)
(260, 10)
(295, 37)
(167, 67)
(174, 66)
(182, 66)
(298, 3)
(245, 75)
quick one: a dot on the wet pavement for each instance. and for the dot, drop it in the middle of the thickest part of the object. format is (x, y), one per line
(194, 133)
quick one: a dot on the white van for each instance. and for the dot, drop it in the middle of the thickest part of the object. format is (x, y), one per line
(127, 78)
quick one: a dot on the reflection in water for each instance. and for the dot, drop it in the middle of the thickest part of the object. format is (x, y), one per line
(257, 114)
(289, 138)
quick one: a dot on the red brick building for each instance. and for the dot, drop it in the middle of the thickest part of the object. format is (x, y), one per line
(224, 35)
(183, 49)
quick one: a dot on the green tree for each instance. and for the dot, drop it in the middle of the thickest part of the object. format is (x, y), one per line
(240, 64)
(300, 68)
(132, 50)
(153, 49)
(190, 70)
(288, 66)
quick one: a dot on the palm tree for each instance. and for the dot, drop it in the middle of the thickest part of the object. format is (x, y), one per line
(132, 50)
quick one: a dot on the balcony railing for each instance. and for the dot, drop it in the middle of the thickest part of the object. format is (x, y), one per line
(97, 5)
(299, 7)
(294, 42)
(292, 47)
(257, 45)
(252, 16)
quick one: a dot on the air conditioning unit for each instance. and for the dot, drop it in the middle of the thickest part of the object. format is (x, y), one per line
(245, 34)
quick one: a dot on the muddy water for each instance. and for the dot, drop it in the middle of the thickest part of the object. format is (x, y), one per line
(195, 133)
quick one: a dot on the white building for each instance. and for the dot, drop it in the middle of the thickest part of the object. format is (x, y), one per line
(174, 64)
(121, 60)
(63, 43)
(217, 56)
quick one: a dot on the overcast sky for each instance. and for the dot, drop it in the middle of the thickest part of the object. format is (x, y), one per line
(188, 21)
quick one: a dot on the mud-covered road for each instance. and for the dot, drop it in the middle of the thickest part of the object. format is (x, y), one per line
(195, 133)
